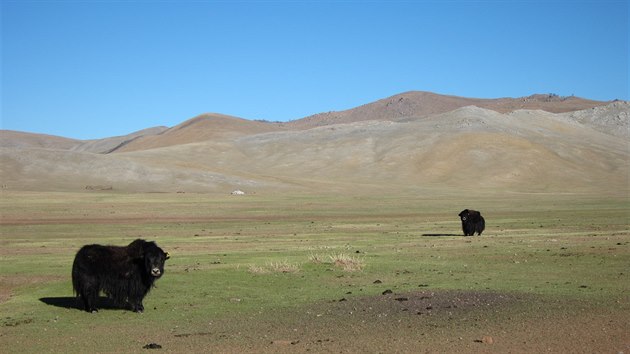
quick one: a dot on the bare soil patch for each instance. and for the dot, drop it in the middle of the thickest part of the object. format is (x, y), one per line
(420, 322)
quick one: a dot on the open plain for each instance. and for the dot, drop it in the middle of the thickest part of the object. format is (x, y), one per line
(262, 273)
(347, 237)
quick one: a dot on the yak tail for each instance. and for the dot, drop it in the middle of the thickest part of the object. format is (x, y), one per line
(481, 225)
(76, 279)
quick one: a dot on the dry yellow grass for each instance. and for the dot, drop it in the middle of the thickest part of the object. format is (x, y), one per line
(347, 263)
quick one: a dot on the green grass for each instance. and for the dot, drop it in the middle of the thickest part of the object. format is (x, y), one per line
(555, 246)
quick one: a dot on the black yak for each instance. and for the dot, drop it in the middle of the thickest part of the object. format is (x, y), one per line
(125, 274)
(472, 222)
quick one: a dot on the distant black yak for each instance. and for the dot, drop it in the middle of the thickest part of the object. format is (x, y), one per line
(472, 222)
(125, 274)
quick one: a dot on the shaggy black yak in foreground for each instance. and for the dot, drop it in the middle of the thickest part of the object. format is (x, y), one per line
(472, 222)
(125, 274)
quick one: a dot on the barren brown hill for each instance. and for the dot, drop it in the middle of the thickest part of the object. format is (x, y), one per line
(470, 149)
(204, 127)
(420, 104)
(107, 145)
(212, 126)
(15, 139)
(611, 119)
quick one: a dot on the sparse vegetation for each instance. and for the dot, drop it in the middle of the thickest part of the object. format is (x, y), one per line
(554, 262)
(275, 267)
(316, 258)
(341, 260)
(255, 269)
(347, 263)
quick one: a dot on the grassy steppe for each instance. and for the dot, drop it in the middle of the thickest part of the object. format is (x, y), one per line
(551, 272)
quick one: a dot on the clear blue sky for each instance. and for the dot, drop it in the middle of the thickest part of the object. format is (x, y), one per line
(93, 69)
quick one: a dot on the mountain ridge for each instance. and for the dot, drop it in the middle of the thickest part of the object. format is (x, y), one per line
(399, 106)
(423, 103)
(468, 149)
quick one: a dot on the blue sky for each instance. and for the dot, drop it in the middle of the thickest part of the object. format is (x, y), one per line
(94, 69)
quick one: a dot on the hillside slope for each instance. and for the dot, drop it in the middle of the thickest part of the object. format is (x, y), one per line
(107, 145)
(470, 149)
(204, 127)
(419, 104)
(18, 140)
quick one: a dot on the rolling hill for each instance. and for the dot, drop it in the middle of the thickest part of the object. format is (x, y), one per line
(412, 142)
(419, 103)
(205, 127)
(24, 140)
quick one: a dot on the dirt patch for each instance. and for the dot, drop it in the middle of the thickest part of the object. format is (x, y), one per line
(424, 321)
(441, 303)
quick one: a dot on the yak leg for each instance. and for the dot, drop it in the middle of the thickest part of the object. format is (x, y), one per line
(135, 300)
(136, 304)
(89, 295)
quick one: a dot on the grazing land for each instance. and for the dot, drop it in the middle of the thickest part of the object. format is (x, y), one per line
(347, 237)
(273, 272)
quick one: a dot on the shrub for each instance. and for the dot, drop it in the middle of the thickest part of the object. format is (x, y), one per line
(347, 263)
(275, 267)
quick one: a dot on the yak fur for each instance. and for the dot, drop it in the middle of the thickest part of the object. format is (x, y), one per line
(124, 274)
(472, 222)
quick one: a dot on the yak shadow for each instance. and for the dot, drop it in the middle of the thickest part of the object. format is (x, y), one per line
(441, 235)
(71, 302)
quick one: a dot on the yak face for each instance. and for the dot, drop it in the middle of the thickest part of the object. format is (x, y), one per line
(470, 216)
(155, 264)
(154, 259)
